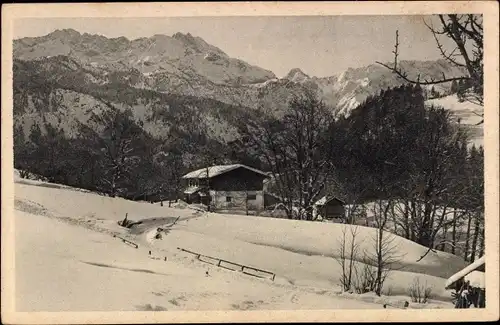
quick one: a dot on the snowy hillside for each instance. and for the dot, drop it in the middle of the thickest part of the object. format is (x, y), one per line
(70, 241)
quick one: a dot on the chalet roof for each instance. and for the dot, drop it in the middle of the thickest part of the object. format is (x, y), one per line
(325, 199)
(218, 170)
(476, 266)
(191, 190)
(476, 279)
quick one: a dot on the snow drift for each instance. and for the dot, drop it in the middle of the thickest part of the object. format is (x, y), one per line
(77, 264)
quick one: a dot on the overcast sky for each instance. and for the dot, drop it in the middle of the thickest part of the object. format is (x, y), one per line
(319, 45)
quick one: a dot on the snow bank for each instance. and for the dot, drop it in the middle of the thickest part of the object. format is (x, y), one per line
(320, 239)
(75, 203)
(62, 267)
(86, 263)
(310, 271)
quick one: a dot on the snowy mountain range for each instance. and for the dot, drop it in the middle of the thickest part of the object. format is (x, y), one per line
(181, 55)
(66, 74)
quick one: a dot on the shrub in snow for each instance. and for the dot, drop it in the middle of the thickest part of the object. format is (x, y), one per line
(347, 253)
(419, 292)
(364, 279)
(24, 174)
(388, 291)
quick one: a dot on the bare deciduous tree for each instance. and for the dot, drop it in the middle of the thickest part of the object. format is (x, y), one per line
(386, 257)
(111, 134)
(346, 256)
(466, 32)
(297, 150)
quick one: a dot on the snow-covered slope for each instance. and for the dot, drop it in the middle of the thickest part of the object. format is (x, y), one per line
(65, 252)
(65, 267)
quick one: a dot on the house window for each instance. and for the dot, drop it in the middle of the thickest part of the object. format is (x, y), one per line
(251, 197)
(228, 199)
(193, 182)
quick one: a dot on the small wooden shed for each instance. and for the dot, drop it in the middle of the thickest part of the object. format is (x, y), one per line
(469, 282)
(329, 207)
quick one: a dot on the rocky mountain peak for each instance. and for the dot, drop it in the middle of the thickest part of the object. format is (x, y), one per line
(296, 75)
(161, 58)
(187, 39)
(67, 33)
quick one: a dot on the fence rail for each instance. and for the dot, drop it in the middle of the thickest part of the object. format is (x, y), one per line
(241, 267)
(126, 241)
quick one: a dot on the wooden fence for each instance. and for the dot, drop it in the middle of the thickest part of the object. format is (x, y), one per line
(219, 262)
(128, 242)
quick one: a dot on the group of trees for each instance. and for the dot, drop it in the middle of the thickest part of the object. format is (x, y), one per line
(466, 187)
(105, 156)
(461, 89)
(393, 150)
(410, 163)
(296, 150)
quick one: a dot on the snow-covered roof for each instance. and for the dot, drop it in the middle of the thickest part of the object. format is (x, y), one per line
(476, 279)
(218, 170)
(192, 190)
(465, 271)
(325, 199)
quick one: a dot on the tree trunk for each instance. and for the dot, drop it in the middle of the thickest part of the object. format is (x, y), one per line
(378, 283)
(481, 244)
(474, 239)
(246, 203)
(406, 222)
(92, 173)
(445, 233)
(394, 220)
(454, 232)
(467, 238)
(413, 212)
(425, 232)
(113, 185)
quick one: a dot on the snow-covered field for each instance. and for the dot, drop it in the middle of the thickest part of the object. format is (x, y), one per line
(68, 260)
